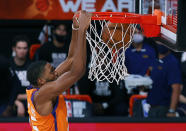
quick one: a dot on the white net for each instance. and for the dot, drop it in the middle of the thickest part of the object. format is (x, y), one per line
(108, 54)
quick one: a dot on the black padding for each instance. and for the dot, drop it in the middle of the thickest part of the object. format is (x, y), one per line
(181, 28)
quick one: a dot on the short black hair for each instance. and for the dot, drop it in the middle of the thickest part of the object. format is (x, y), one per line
(35, 71)
(19, 38)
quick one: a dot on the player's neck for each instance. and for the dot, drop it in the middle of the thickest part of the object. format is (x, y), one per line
(35, 87)
(19, 61)
(58, 44)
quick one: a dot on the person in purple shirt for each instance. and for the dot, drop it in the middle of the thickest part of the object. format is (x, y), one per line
(166, 75)
(139, 54)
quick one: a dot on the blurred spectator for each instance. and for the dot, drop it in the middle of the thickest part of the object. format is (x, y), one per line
(9, 84)
(183, 69)
(45, 34)
(139, 54)
(109, 99)
(56, 51)
(20, 63)
(182, 99)
(182, 106)
(166, 76)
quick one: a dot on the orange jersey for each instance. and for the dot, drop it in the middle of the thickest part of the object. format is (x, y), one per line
(56, 121)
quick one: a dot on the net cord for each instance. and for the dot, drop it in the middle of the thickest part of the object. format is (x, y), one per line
(106, 64)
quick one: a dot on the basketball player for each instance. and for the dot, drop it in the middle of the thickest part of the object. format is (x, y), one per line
(46, 106)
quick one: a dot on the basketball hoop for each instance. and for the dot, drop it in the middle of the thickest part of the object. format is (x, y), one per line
(108, 52)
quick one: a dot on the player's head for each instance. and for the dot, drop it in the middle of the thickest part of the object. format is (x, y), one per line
(60, 33)
(40, 72)
(20, 46)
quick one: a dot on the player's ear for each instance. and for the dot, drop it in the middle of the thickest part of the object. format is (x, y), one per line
(41, 81)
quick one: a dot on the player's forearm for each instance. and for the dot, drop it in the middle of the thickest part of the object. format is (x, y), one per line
(77, 68)
(79, 58)
(84, 50)
(76, 63)
(77, 50)
(74, 39)
(175, 96)
(73, 44)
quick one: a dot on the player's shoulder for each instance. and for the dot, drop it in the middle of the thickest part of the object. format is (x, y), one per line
(45, 88)
(29, 91)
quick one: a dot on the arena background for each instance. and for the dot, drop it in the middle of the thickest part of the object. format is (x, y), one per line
(15, 20)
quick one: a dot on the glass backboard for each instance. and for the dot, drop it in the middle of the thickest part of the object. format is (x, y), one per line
(173, 21)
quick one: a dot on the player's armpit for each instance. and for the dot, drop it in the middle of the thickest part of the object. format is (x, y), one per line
(44, 108)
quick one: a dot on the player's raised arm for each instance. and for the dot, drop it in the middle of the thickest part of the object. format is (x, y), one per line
(77, 52)
(66, 65)
(50, 88)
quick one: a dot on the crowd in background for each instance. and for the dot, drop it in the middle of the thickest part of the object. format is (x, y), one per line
(145, 57)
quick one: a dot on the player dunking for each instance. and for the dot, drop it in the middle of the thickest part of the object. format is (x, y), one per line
(46, 105)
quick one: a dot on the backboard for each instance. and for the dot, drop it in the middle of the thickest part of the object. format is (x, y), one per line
(173, 28)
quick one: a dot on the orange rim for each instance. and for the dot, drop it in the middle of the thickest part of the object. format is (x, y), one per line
(150, 23)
